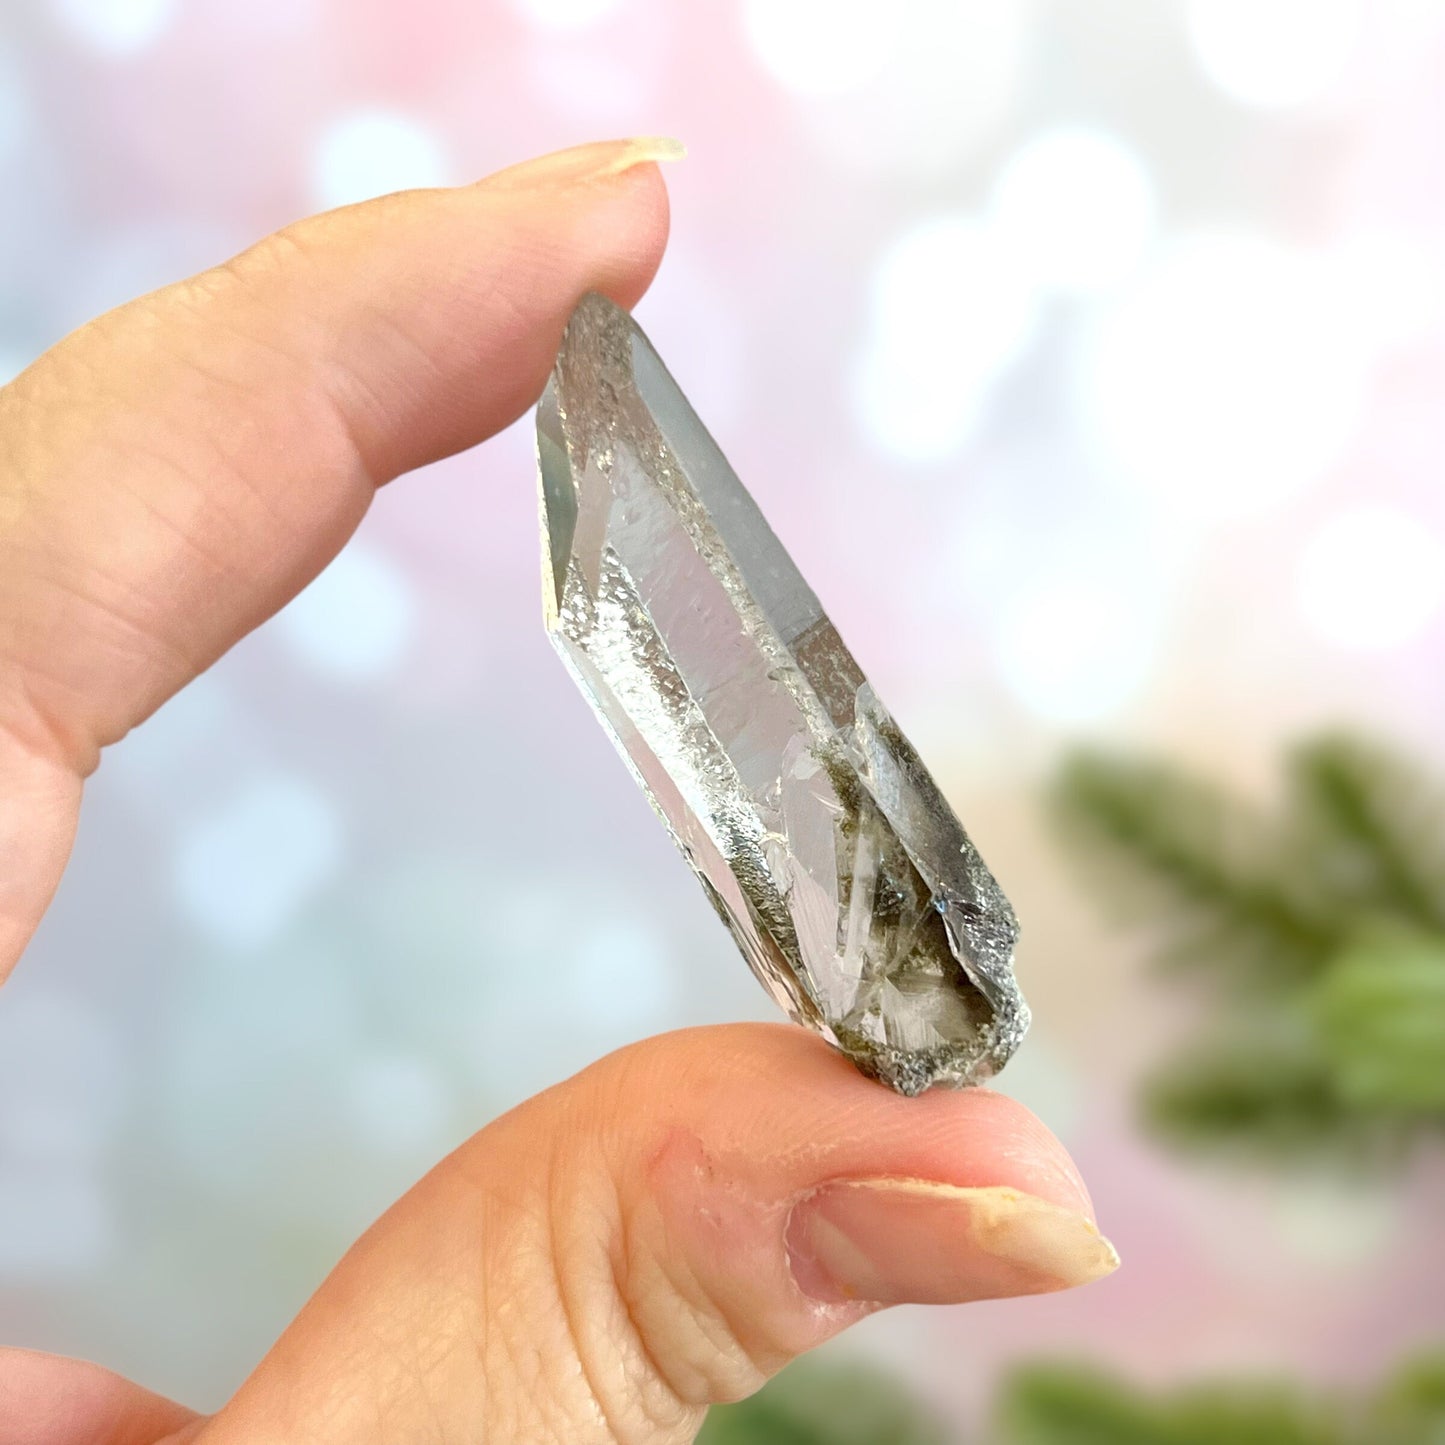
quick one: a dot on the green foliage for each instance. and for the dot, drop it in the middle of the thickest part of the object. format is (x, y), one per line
(1058, 1405)
(1373, 826)
(1318, 931)
(1412, 1406)
(1202, 868)
(812, 1404)
(1280, 1098)
(1380, 1012)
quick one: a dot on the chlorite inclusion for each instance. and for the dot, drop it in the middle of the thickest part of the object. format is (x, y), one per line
(828, 850)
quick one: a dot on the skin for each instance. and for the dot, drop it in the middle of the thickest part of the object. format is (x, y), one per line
(605, 1261)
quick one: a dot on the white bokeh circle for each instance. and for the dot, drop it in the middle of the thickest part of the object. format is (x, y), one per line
(916, 87)
(1077, 649)
(1079, 207)
(1228, 380)
(117, 27)
(243, 871)
(372, 153)
(355, 621)
(951, 308)
(1275, 53)
(821, 47)
(1371, 578)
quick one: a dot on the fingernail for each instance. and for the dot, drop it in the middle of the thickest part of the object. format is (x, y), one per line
(594, 162)
(909, 1241)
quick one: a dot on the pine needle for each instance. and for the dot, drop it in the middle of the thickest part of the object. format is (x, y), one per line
(1322, 927)
(1204, 870)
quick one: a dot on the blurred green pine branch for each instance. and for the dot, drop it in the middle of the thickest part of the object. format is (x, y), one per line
(1059, 1405)
(812, 1404)
(1317, 930)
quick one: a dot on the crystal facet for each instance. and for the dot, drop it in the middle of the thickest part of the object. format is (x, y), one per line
(816, 832)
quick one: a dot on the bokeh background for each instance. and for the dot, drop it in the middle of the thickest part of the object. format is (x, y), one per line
(1090, 360)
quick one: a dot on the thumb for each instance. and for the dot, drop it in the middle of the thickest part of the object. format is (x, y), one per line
(662, 1232)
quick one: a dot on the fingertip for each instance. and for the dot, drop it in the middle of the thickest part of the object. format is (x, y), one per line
(604, 205)
(51, 1400)
(778, 1094)
(633, 225)
(1021, 1143)
(489, 275)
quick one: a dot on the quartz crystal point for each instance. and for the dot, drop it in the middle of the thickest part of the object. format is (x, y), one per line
(817, 833)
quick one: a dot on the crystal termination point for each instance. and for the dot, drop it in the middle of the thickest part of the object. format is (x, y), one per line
(815, 830)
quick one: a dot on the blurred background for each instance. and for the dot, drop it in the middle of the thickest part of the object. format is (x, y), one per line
(1089, 360)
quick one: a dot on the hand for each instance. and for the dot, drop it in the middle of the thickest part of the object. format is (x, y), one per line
(677, 1222)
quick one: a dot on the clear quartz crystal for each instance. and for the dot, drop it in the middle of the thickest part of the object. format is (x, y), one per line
(822, 841)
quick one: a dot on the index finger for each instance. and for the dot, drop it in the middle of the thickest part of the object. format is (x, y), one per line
(174, 473)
